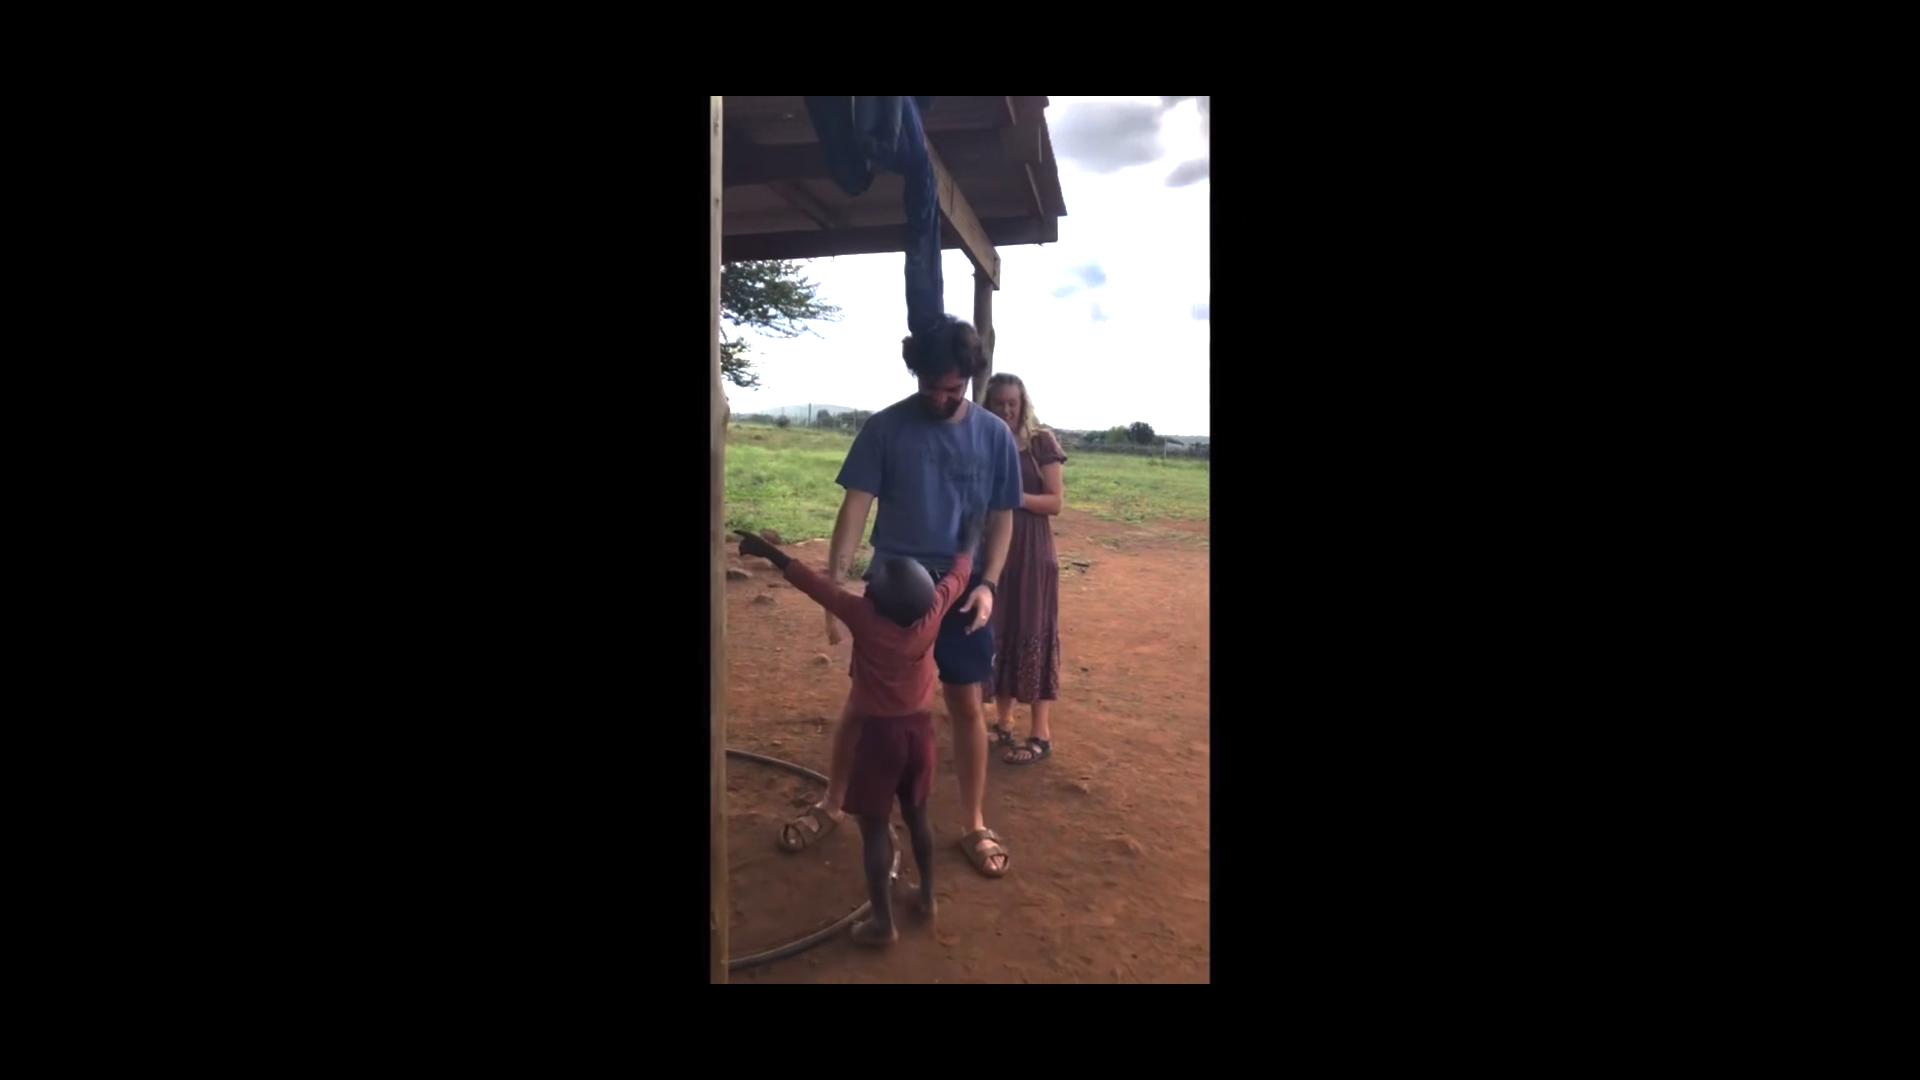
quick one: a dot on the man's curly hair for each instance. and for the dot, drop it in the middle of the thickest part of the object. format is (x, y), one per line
(954, 346)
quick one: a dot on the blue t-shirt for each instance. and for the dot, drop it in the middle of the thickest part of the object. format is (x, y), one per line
(929, 476)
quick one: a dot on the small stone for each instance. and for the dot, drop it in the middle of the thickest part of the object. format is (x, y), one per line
(822, 658)
(762, 598)
(734, 573)
(771, 537)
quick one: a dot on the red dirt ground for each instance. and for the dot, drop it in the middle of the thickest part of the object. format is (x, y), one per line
(1109, 869)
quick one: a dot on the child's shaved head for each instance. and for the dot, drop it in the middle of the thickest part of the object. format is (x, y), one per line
(901, 589)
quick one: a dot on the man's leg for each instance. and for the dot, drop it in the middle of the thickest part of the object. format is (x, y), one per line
(965, 660)
(845, 734)
(801, 832)
(969, 751)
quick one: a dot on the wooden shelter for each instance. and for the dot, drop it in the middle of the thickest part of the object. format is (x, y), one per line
(772, 197)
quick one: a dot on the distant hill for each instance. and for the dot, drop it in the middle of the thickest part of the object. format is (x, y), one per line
(800, 412)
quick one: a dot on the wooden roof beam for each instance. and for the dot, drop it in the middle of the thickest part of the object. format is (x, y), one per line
(751, 166)
(1020, 141)
(957, 215)
(874, 240)
(747, 165)
(802, 200)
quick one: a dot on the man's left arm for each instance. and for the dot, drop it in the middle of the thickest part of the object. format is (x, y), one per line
(1002, 502)
(999, 539)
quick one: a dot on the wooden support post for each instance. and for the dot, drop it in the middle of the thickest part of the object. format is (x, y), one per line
(983, 287)
(717, 597)
(957, 217)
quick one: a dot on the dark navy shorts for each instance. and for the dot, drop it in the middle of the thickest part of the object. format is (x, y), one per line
(963, 658)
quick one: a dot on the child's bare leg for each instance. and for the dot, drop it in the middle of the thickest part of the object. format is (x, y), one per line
(920, 832)
(877, 845)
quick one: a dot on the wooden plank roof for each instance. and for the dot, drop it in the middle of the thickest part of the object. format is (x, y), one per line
(999, 183)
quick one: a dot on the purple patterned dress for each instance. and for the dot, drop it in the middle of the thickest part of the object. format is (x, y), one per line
(1026, 609)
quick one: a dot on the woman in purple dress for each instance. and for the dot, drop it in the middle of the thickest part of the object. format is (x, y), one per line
(1026, 609)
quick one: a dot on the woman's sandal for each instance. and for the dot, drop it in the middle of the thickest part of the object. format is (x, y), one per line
(1035, 750)
(999, 736)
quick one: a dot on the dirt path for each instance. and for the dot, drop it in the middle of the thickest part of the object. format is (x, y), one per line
(1109, 836)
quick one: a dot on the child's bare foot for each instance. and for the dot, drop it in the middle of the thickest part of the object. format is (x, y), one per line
(917, 899)
(868, 932)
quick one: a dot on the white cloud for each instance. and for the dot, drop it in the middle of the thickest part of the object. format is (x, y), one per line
(1103, 325)
(1088, 276)
(1189, 172)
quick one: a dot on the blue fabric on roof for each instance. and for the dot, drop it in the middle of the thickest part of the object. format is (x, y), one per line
(859, 133)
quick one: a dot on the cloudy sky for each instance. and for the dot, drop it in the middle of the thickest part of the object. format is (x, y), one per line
(1106, 327)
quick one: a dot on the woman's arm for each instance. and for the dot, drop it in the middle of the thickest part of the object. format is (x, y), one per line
(1054, 481)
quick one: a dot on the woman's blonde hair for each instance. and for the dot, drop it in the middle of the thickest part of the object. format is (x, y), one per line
(1029, 424)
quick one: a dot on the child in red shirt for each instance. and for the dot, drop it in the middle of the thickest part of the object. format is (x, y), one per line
(894, 626)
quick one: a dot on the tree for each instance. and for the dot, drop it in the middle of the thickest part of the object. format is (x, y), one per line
(772, 298)
(1140, 432)
(825, 419)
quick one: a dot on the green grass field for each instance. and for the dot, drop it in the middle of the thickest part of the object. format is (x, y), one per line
(783, 479)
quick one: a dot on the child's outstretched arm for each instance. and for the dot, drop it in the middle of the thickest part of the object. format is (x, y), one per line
(846, 606)
(950, 586)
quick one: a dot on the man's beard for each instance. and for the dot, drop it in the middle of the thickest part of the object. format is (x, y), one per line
(940, 412)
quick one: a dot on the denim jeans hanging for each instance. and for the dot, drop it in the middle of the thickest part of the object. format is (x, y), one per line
(858, 133)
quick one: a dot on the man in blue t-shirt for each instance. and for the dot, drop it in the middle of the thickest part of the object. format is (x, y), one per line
(931, 460)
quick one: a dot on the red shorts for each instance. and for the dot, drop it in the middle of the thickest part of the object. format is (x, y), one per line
(893, 759)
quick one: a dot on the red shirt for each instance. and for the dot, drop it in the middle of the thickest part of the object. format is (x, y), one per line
(893, 669)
